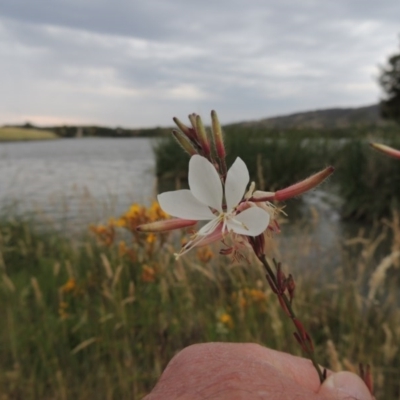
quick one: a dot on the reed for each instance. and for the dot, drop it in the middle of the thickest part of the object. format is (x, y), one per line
(367, 182)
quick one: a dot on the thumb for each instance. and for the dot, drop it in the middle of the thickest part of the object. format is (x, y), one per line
(345, 385)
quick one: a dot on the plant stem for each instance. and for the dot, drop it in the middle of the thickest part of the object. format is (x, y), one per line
(274, 282)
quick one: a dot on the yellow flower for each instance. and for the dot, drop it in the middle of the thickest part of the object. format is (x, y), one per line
(204, 254)
(257, 295)
(69, 286)
(151, 238)
(226, 319)
(148, 274)
(105, 234)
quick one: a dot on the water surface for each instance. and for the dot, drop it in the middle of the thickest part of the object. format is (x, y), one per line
(75, 181)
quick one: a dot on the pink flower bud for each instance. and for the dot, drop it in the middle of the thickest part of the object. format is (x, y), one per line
(202, 135)
(218, 139)
(303, 186)
(188, 132)
(390, 151)
(184, 142)
(167, 225)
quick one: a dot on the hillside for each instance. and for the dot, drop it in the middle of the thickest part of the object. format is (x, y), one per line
(334, 118)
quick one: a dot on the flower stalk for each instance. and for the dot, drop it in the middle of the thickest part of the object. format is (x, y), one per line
(218, 195)
(279, 285)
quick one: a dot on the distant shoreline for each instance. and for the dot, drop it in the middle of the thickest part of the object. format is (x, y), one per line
(21, 134)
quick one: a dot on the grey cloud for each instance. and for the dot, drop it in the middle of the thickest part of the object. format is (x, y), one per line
(135, 62)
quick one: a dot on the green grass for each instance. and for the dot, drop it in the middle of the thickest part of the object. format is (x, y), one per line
(86, 321)
(18, 134)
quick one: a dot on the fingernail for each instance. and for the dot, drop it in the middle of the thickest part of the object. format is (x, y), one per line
(346, 385)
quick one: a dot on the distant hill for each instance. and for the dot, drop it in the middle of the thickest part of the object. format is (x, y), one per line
(333, 118)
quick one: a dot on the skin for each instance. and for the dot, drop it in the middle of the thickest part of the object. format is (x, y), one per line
(232, 371)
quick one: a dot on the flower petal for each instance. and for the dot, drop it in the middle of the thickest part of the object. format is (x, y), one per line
(182, 204)
(250, 222)
(236, 183)
(205, 183)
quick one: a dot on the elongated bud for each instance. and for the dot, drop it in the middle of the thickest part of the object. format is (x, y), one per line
(192, 119)
(184, 142)
(291, 286)
(167, 225)
(202, 134)
(389, 151)
(303, 186)
(218, 138)
(185, 129)
(261, 196)
(190, 133)
(281, 278)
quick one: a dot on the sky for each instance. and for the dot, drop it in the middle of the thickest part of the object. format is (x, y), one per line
(138, 63)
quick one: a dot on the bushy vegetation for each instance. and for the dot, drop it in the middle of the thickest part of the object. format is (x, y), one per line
(101, 319)
(368, 182)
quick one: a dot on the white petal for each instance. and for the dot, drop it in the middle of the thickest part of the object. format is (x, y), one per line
(205, 183)
(183, 204)
(250, 222)
(236, 183)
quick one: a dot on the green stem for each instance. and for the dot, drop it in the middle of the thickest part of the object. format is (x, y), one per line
(309, 350)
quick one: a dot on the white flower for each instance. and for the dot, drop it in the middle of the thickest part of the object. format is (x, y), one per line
(205, 201)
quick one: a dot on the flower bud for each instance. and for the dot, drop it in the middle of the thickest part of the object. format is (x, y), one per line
(217, 133)
(185, 129)
(184, 142)
(166, 225)
(390, 151)
(303, 186)
(202, 135)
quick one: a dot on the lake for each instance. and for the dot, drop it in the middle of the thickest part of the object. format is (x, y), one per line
(73, 182)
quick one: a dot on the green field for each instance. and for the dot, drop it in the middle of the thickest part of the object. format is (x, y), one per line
(17, 134)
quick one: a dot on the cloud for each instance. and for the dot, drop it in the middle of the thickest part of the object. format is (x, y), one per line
(139, 63)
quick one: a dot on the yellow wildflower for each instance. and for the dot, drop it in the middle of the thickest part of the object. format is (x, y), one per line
(151, 238)
(69, 286)
(204, 254)
(257, 295)
(148, 274)
(226, 319)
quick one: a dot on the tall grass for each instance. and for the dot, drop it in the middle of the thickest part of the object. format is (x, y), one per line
(101, 319)
(367, 182)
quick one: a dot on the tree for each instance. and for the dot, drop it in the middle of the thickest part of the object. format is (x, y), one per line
(390, 81)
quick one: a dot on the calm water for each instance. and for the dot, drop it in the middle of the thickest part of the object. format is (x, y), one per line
(72, 182)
